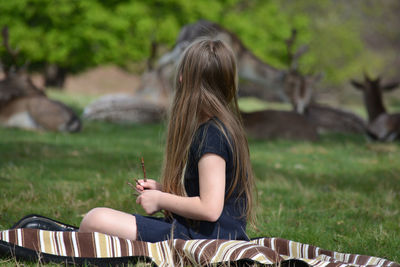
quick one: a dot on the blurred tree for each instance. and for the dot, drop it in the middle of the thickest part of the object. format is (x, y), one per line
(263, 27)
(350, 37)
(381, 22)
(63, 36)
(335, 45)
(58, 37)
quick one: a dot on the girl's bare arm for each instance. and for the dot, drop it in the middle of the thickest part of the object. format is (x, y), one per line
(207, 207)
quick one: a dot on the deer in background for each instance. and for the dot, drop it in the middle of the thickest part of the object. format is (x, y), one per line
(272, 124)
(323, 117)
(297, 86)
(23, 105)
(256, 78)
(279, 124)
(308, 118)
(381, 125)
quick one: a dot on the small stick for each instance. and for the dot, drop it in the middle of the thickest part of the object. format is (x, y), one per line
(131, 185)
(144, 170)
(134, 187)
(137, 182)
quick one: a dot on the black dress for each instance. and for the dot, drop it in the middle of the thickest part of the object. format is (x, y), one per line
(230, 225)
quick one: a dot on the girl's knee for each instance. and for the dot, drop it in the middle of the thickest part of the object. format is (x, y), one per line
(94, 220)
(109, 221)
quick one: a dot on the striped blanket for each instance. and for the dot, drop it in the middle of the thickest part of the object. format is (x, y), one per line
(100, 249)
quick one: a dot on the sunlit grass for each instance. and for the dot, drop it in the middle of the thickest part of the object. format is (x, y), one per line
(341, 193)
(76, 101)
(249, 104)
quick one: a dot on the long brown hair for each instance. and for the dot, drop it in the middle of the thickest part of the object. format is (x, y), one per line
(206, 87)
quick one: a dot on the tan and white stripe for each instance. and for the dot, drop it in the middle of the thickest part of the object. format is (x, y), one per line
(204, 249)
(190, 247)
(167, 252)
(19, 238)
(75, 244)
(45, 243)
(154, 252)
(60, 244)
(130, 247)
(223, 250)
(161, 252)
(258, 256)
(5, 236)
(103, 244)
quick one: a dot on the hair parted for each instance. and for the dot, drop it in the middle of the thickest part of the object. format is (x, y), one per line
(206, 87)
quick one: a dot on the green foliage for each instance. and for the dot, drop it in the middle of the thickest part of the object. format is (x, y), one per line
(263, 28)
(337, 45)
(72, 34)
(76, 35)
(337, 53)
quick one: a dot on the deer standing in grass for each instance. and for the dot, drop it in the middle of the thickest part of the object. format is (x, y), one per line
(381, 125)
(23, 105)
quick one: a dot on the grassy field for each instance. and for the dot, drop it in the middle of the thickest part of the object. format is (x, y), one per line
(341, 193)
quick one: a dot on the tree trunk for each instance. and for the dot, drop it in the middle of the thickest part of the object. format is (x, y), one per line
(54, 76)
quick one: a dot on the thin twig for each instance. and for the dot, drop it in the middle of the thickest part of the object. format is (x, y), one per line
(144, 170)
(134, 187)
(131, 185)
(137, 182)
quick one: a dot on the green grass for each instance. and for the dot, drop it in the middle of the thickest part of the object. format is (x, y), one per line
(249, 104)
(341, 193)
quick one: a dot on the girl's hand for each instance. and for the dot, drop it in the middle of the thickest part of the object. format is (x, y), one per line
(150, 184)
(149, 200)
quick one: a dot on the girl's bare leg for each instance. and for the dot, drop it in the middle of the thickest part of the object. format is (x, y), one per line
(111, 222)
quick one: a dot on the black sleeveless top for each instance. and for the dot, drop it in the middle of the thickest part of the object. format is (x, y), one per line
(232, 222)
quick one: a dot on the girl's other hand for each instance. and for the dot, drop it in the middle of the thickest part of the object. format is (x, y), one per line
(149, 200)
(150, 184)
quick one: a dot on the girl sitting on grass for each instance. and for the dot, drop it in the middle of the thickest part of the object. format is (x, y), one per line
(207, 189)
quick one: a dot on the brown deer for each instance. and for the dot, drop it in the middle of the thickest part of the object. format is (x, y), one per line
(307, 118)
(332, 119)
(300, 90)
(23, 105)
(324, 117)
(279, 124)
(381, 125)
